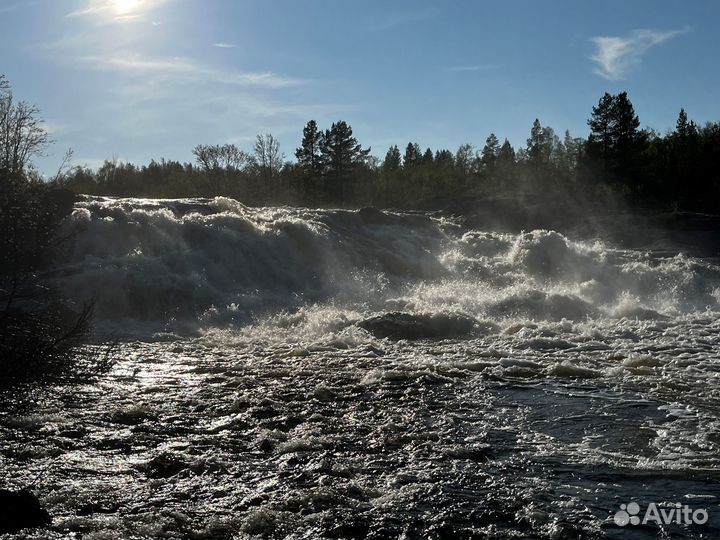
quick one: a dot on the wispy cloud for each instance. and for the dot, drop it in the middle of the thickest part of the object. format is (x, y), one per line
(224, 45)
(616, 56)
(144, 92)
(470, 68)
(107, 9)
(187, 69)
(164, 103)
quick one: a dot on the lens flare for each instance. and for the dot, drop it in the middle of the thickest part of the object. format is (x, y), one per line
(123, 7)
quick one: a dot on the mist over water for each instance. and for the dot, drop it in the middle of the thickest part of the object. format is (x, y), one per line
(300, 373)
(202, 264)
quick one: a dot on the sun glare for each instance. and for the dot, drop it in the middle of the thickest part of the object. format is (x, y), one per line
(123, 7)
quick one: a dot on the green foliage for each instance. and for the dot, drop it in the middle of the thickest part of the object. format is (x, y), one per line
(343, 157)
(617, 145)
(680, 169)
(341, 151)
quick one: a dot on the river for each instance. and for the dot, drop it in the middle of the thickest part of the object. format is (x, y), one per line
(301, 373)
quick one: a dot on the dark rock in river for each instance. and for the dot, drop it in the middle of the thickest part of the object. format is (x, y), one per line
(21, 510)
(373, 216)
(165, 465)
(398, 325)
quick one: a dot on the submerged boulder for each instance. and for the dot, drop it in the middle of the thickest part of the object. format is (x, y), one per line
(397, 325)
(21, 510)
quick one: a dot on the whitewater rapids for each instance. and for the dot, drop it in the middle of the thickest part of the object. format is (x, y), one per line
(300, 373)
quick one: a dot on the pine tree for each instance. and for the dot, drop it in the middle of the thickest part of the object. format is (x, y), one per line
(626, 123)
(342, 155)
(534, 144)
(428, 158)
(616, 141)
(341, 150)
(685, 184)
(681, 127)
(413, 156)
(569, 153)
(309, 154)
(540, 145)
(601, 123)
(630, 144)
(444, 159)
(506, 154)
(393, 159)
(685, 129)
(490, 151)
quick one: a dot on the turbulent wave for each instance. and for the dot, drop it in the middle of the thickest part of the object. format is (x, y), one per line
(199, 263)
(367, 374)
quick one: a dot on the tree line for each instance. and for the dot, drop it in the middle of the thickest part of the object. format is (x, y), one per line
(679, 169)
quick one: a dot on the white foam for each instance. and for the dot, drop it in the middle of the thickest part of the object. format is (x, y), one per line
(197, 263)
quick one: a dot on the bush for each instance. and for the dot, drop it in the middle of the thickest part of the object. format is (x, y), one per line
(40, 331)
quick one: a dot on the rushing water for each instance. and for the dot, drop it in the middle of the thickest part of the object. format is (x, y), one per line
(294, 373)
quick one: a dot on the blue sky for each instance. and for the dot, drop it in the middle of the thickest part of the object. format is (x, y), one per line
(152, 78)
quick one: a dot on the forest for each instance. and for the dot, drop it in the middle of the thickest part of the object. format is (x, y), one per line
(619, 160)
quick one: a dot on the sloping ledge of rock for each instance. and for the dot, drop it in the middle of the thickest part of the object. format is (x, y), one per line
(398, 325)
(21, 510)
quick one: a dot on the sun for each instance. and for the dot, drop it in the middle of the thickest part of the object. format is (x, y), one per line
(123, 7)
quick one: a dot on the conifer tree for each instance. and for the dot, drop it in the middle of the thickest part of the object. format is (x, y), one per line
(601, 123)
(413, 156)
(444, 159)
(428, 158)
(490, 151)
(534, 143)
(506, 154)
(393, 159)
(309, 154)
(342, 154)
(616, 142)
